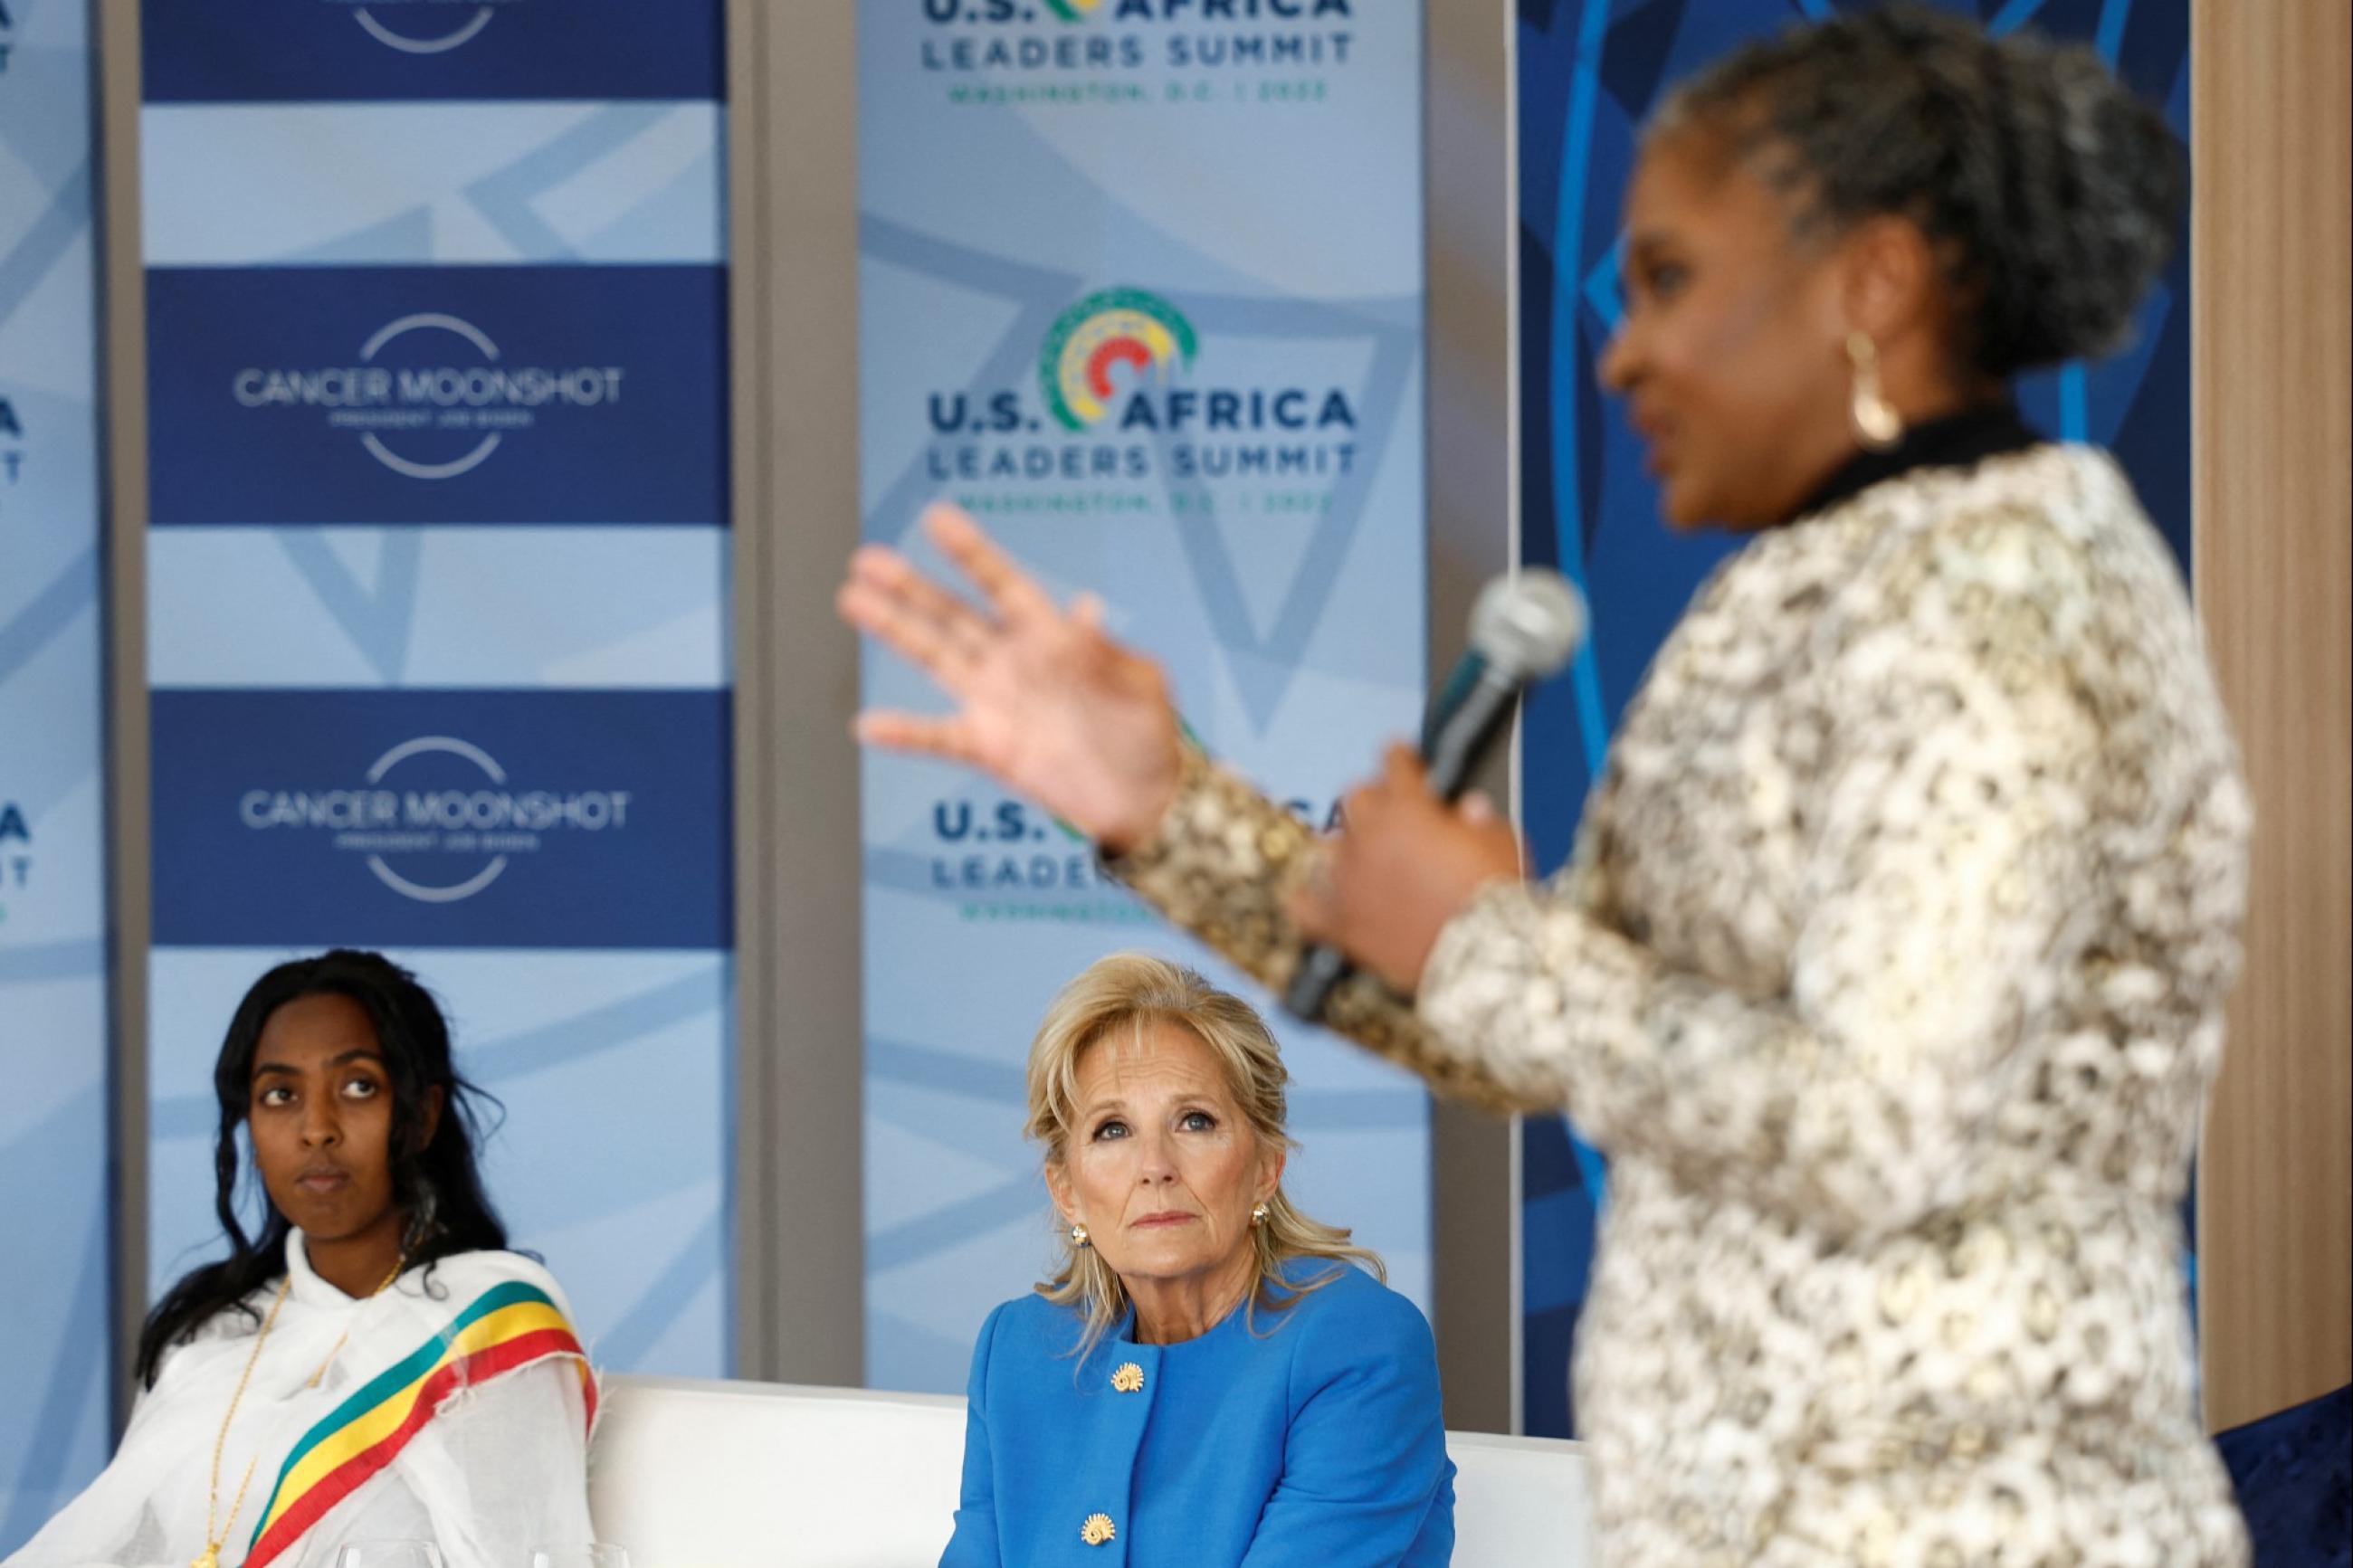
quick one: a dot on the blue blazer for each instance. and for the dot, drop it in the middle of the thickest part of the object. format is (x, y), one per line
(1316, 1440)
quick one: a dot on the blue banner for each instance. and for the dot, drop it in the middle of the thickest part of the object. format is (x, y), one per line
(559, 395)
(55, 1314)
(1141, 286)
(542, 819)
(1588, 73)
(438, 610)
(302, 50)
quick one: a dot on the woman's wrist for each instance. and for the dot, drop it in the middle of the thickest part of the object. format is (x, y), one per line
(1155, 797)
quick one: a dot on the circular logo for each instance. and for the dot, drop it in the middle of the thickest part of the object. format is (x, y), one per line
(1100, 333)
(463, 33)
(425, 322)
(422, 892)
(1074, 10)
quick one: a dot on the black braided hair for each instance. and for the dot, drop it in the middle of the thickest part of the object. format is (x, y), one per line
(2052, 193)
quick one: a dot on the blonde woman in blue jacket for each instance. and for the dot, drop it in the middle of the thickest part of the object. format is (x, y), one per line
(1210, 1378)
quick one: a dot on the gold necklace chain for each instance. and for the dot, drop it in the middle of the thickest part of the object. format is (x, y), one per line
(214, 1541)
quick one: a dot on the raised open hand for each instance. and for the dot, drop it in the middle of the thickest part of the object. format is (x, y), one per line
(1046, 703)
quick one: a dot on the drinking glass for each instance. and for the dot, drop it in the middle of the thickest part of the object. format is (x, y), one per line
(388, 1554)
(590, 1554)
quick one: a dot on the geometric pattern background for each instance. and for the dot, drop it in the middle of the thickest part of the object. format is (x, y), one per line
(55, 1305)
(1248, 503)
(438, 458)
(1588, 73)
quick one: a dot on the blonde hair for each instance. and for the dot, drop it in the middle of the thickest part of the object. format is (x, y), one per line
(1123, 994)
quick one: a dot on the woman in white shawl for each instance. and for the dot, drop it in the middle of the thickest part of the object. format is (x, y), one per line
(375, 1366)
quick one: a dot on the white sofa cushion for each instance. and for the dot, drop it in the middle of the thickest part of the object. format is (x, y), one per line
(713, 1475)
(689, 1474)
(1521, 1501)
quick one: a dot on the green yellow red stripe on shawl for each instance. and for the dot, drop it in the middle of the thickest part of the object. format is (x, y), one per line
(509, 1326)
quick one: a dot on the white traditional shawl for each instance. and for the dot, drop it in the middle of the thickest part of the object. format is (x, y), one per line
(456, 1410)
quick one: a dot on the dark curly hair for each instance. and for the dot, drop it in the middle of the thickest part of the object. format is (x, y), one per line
(2051, 191)
(435, 1186)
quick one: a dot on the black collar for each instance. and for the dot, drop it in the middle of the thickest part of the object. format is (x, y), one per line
(1957, 441)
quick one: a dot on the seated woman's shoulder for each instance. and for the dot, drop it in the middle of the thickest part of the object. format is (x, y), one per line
(473, 1274)
(1031, 1321)
(1335, 1294)
(1353, 1331)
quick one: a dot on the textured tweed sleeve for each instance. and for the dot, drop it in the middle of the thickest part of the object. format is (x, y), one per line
(1951, 873)
(1220, 865)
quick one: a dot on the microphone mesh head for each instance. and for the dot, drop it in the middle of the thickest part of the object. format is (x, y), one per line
(1528, 624)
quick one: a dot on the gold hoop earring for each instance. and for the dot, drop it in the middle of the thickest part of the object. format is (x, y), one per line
(1258, 1214)
(1078, 1235)
(1876, 424)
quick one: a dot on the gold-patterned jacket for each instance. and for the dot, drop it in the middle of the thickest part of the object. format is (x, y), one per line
(1889, 972)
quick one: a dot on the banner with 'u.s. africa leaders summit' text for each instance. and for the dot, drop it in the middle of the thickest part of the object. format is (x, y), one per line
(1141, 286)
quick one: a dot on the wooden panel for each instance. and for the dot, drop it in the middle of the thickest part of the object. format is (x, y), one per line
(792, 192)
(2273, 359)
(124, 322)
(1467, 188)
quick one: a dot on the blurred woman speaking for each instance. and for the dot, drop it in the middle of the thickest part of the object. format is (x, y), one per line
(1889, 969)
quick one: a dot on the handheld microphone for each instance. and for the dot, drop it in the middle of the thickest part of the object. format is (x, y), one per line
(1524, 627)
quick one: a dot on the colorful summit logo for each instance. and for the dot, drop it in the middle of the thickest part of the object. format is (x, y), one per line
(1074, 10)
(1114, 327)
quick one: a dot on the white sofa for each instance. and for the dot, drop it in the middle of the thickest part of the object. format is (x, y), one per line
(715, 1475)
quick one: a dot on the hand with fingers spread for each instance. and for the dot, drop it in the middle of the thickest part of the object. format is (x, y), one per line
(1046, 703)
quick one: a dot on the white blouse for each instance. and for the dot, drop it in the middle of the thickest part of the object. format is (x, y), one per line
(500, 1470)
